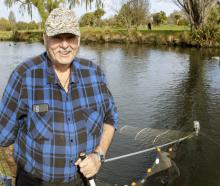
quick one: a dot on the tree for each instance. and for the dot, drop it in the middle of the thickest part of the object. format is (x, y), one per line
(27, 26)
(92, 18)
(196, 10)
(44, 7)
(12, 21)
(11, 18)
(111, 21)
(133, 13)
(159, 17)
(98, 14)
(5, 25)
(214, 15)
(87, 19)
(178, 18)
(124, 16)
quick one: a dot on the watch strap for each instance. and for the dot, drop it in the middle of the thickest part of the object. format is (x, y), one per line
(100, 156)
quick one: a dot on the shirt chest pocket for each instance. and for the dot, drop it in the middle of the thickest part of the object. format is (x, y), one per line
(40, 125)
(94, 121)
(89, 122)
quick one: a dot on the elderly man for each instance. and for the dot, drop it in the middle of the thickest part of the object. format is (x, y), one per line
(54, 107)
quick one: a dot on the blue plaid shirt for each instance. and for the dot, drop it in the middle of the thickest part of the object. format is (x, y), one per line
(49, 127)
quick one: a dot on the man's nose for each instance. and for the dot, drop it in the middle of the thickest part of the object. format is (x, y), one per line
(64, 43)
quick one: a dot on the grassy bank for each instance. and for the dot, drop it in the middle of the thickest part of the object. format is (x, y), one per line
(161, 35)
(155, 37)
(7, 163)
(5, 36)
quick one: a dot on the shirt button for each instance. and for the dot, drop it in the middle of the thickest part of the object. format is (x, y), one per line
(71, 140)
(68, 119)
(71, 161)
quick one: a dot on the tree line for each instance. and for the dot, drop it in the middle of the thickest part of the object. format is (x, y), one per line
(10, 24)
(94, 19)
(132, 13)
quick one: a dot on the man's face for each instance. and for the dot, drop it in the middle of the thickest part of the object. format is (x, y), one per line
(62, 48)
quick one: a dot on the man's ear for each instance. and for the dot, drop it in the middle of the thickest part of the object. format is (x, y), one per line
(45, 39)
(78, 41)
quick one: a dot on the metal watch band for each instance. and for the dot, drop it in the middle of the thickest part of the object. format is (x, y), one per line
(101, 156)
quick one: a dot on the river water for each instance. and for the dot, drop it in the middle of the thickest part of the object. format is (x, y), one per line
(160, 88)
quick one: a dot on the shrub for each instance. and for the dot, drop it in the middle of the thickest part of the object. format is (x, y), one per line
(206, 35)
(183, 22)
(5, 25)
(27, 26)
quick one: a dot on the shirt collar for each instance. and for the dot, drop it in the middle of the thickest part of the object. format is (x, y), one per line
(51, 75)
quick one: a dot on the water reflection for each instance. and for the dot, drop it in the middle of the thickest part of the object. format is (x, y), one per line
(161, 88)
(166, 88)
(200, 154)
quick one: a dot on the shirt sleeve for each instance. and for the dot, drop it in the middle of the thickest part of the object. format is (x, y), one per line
(9, 110)
(111, 114)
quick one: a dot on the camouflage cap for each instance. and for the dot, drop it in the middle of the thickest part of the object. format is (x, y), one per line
(62, 21)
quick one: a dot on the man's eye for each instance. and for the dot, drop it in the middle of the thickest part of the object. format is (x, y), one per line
(71, 37)
(56, 37)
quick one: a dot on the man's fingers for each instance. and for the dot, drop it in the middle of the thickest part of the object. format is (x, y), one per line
(89, 166)
(78, 162)
(84, 171)
(81, 163)
(87, 173)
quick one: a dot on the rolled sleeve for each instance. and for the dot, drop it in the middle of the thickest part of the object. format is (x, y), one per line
(111, 114)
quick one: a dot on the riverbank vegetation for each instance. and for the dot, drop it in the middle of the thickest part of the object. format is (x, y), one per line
(110, 35)
(165, 35)
(132, 23)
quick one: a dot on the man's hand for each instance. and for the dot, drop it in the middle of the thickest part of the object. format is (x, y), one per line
(89, 166)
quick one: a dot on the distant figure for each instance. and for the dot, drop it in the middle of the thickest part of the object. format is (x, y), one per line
(149, 26)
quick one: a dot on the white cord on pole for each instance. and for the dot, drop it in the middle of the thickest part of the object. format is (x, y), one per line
(148, 150)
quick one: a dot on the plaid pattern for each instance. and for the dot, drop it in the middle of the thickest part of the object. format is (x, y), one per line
(47, 143)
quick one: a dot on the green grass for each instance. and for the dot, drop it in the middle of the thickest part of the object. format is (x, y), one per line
(22, 31)
(170, 28)
(94, 29)
(5, 35)
(141, 28)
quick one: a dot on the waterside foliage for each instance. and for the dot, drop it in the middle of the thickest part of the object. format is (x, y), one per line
(204, 37)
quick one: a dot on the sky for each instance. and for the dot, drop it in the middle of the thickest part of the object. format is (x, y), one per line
(110, 6)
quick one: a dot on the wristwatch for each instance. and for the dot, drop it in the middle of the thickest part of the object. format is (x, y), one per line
(100, 156)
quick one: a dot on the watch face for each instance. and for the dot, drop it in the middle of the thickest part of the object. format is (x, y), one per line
(102, 158)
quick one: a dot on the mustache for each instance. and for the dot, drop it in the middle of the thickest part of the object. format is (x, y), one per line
(65, 50)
